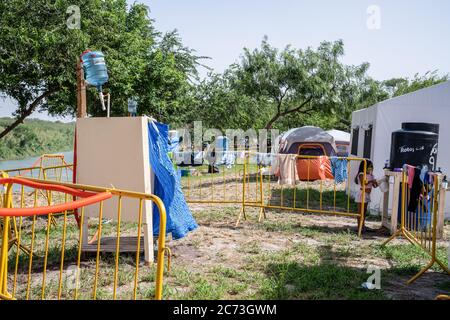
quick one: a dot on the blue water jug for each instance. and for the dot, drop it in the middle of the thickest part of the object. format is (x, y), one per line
(95, 70)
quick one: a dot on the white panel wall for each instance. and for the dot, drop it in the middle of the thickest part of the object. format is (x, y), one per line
(114, 152)
(430, 105)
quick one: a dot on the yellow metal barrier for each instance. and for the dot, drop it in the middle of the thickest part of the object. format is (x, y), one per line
(250, 183)
(201, 185)
(307, 192)
(41, 251)
(419, 227)
(48, 167)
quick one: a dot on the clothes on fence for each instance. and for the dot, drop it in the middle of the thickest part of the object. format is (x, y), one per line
(265, 159)
(286, 169)
(423, 173)
(339, 169)
(226, 158)
(415, 189)
(411, 174)
(167, 185)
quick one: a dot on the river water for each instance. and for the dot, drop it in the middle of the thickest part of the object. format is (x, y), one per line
(28, 162)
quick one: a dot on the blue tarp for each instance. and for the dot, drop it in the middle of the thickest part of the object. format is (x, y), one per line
(167, 185)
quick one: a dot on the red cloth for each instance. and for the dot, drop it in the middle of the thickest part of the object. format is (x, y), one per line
(411, 173)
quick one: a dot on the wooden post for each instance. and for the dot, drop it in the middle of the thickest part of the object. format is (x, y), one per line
(390, 222)
(81, 92)
(385, 211)
(396, 200)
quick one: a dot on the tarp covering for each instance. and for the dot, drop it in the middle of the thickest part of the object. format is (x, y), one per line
(167, 185)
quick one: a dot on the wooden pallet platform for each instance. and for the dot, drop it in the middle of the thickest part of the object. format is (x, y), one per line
(108, 244)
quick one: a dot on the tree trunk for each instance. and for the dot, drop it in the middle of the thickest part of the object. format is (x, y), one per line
(26, 113)
(285, 113)
(272, 121)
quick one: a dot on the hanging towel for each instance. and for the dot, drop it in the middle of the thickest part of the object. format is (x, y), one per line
(286, 169)
(167, 185)
(411, 173)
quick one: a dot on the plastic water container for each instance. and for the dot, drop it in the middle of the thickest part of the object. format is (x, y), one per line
(94, 66)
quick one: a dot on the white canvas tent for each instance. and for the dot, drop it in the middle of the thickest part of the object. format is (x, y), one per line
(372, 129)
(342, 140)
(340, 136)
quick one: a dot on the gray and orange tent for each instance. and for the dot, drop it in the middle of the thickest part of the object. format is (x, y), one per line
(310, 141)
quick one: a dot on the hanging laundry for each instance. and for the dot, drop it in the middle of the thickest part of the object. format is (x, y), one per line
(411, 173)
(286, 169)
(423, 172)
(339, 169)
(416, 189)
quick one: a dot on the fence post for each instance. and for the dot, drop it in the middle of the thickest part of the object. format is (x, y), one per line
(244, 177)
(5, 245)
(262, 211)
(363, 202)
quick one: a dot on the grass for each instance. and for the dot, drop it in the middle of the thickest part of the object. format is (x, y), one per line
(306, 261)
(309, 198)
(409, 259)
(291, 280)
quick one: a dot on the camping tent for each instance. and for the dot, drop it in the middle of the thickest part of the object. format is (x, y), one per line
(307, 140)
(310, 141)
(342, 140)
(372, 129)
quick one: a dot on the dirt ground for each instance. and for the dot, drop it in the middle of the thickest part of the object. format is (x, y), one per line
(289, 255)
(217, 244)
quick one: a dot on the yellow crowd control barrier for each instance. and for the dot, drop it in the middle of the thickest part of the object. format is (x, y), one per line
(202, 184)
(419, 217)
(47, 167)
(37, 261)
(301, 183)
(259, 180)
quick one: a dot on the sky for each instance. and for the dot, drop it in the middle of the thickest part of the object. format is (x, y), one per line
(398, 38)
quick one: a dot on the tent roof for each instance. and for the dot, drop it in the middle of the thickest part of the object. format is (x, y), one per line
(339, 136)
(306, 134)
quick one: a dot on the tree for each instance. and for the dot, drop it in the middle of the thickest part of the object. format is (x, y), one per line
(219, 105)
(400, 86)
(168, 83)
(292, 81)
(38, 52)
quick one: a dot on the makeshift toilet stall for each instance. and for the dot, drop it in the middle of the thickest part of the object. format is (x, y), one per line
(114, 152)
(131, 153)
